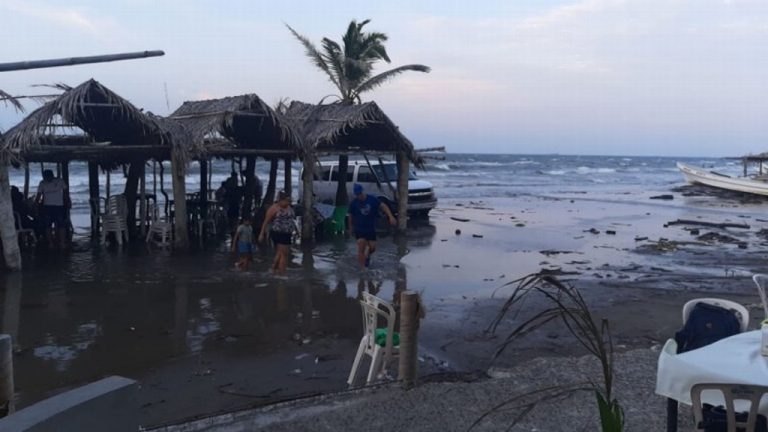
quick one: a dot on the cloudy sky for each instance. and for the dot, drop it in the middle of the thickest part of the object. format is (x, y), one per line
(641, 77)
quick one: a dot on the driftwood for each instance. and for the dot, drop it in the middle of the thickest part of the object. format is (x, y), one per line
(708, 224)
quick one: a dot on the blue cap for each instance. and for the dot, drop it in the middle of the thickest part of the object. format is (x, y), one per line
(357, 189)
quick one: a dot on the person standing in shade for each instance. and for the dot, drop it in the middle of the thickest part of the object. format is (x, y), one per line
(53, 198)
(283, 224)
(363, 212)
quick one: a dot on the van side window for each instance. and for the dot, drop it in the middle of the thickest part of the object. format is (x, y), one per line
(335, 173)
(364, 175)
(321, 173)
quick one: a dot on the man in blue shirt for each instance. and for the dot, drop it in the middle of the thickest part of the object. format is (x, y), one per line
(363, 211)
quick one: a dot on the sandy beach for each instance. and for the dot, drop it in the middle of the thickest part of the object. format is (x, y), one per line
(203, 338)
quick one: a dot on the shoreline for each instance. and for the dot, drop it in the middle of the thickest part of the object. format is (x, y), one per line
(203, 329)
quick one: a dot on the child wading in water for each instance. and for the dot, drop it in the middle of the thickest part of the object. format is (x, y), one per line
(282, 218)
(243, 243)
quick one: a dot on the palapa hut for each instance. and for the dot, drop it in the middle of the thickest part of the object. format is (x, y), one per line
(240, 126)
(92, 123)
(338, 129)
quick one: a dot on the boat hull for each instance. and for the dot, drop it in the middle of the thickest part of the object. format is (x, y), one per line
(699, 175)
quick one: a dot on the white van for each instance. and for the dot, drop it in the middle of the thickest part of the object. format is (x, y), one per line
(421, 196)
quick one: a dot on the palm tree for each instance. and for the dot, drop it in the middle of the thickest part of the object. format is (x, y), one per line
(349, 66)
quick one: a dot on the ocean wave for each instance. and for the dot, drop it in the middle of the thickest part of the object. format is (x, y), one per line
(441, 167)
(525, 162)
(588, 170)
(553, 172)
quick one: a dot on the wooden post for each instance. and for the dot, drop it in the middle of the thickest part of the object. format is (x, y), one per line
(307, 221)
(249, 186)
(10, 238)
(12, 306)
(180, 232)
(6, 375)
(135, 171)
(342, 198)
(109, 186)
(93, 194)
(269, 195)
(203, 189)
(287, 177)
(410, 314)
(403, 169)
(26, 180)
(143, 200)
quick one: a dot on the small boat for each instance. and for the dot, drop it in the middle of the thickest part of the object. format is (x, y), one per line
(699, 175)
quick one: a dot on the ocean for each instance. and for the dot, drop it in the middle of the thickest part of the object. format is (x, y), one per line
(459, 176)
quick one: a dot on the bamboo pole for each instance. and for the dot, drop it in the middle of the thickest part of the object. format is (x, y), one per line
(403, 170)
(10, 238)
(71, 61)
(269, 195)
(307, 222)
(6, 375)
(109, 186)
(410, 314)
(181, 234)
(203, 190)
(249, 187)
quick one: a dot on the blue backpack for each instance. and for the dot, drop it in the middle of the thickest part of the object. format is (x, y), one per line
(705, 325)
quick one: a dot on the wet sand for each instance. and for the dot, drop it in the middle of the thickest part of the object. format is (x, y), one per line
(202, 338)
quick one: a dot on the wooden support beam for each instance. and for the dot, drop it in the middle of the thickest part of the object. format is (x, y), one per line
(342, 198)
(287, 177)
(307, 199)
(10, 238)
(6, 376)
(143, 200)
(269, 195)
(26, 180)
(410, 316)
(403, 169)
(249, 187)
(93, 195)
(203, 189)
(180, 231)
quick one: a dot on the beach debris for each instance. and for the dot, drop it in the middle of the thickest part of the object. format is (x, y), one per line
(662, 245)
(659, 269)
(443, 240)
(712, 237)
(640, 238)
(458, 232)
(592, 230)
(610, 232)
(707, 224)
(578, 237)
(663, 197)
(550, 252)
(301, 356)
(742, 245)
(458, 219)
(306, 341)
(694, 231)
(296, 371)
(520, 225)
(477, 236)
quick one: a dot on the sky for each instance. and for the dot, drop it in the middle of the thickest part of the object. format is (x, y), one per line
(613, 77)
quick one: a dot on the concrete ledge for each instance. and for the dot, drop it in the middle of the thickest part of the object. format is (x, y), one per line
(106, 405)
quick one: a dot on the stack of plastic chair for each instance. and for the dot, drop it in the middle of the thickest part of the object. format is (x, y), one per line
(337, 223)
(26, 235)
(115, 219)
(160, 231)
(381, 344)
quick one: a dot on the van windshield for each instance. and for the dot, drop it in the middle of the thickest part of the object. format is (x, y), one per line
(389, 172)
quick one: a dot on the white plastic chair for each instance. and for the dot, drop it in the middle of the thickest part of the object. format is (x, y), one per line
(731, 393)
(26, 235)
(160, 231)
(114, 219)
(742, 314)
(761, 280)
(373, 308)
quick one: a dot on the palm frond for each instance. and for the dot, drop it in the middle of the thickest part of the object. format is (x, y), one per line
(314, 54)
(56, 86)
(383, 77)
(12, 101)
(335, 60)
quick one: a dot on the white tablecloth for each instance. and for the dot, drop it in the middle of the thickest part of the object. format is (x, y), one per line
(733, 360)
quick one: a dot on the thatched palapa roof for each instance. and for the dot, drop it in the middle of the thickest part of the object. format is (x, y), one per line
(103, 116)
(338, 128)
(245, 122)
